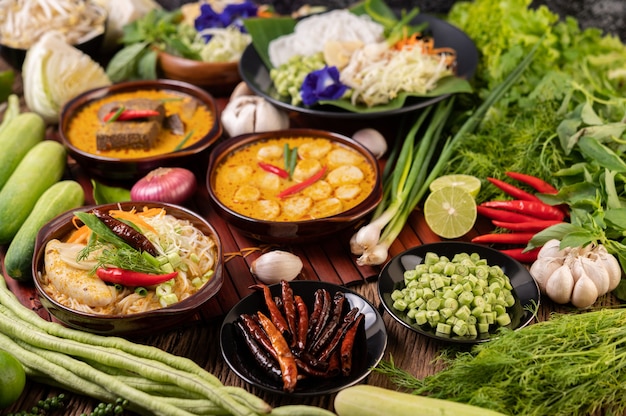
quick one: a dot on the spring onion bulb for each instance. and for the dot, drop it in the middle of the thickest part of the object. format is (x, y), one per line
(410, 169)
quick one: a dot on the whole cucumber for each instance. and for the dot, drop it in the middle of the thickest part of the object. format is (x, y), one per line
(41, 167)
(60, 197)
(17, 137)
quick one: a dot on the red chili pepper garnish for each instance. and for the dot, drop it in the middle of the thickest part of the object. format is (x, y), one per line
(304, 184)
(534, 182)
(513, 190)
(127, 114)
(131, 278)
(539, 210)
(503, 238)
(502, 215)
(274, 169)
(534, 226)
(521, 255)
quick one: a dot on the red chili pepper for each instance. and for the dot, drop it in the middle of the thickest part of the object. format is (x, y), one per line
(523, 256)
(534, 226)
(274, 169)
(502, 215)
(534, 182)
(132, 278)
(127, 114)
(503, 238)
(286, 360)
(513, 190)
(304, 184)
(539, 210)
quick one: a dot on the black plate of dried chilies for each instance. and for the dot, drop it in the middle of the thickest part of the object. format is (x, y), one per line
(278, 340)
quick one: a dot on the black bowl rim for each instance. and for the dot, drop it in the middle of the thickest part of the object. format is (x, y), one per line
(179, 86)
(212, 287)
(218, 154)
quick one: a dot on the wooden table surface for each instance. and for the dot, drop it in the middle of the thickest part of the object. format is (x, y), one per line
(329, 261)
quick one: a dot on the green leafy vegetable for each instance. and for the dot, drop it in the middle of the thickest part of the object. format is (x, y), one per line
(104, 194)
(6, 84)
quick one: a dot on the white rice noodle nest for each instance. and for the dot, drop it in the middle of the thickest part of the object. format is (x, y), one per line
(311, 34)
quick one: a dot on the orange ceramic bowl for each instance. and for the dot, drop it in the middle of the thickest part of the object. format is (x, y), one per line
(217, 77)
(130, 169)
(292, 231)
(136, 324)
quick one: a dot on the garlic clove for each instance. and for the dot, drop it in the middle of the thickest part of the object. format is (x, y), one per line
(609, 263)
(560, 284)
(269, 118)
(276, 266)
(241, 89)
(542, 269)
(584, 293)
(551, 249)
(597, 273)
(252, 114)
(373, 140)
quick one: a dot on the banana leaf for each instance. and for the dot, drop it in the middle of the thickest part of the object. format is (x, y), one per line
(264, 30)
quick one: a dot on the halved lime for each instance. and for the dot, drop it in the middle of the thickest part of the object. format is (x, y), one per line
(450, 212)
(468, 182)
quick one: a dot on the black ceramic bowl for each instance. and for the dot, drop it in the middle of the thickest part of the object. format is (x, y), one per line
(291, 231)
(136, 324)
(116, 168)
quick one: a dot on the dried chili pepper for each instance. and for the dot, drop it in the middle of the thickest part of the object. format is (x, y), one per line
(503, 238)
(347, 346)
(274, 169)
(333, 323)
(286, 360)
(252, 324)
(302, 323)
(538, 210)
(304, 184)
(513, 190)
(274, 311)
(127, 233)
(289, 308)
(131, 278)
(348, 321)
(261, 356)
(320, 314)
(534, 182)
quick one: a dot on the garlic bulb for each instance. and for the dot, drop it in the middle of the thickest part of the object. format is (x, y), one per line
(373, 140)
(275, 266)
(252, 114)
(579, 275)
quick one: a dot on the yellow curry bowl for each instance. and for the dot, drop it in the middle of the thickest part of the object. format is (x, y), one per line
(134, 303)
(294, 185)
(123, 131)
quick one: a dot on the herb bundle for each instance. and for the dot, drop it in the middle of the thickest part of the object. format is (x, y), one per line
(573, 364)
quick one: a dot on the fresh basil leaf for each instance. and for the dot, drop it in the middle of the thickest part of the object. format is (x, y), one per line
(589, 116)
(100, 229)
(610, 190)
(567, 132)
(104, 194)
(581, 192)
(592, 149)
(616, 218)
(555, 232)
(124, 63)
(578, 239)
(147, 65)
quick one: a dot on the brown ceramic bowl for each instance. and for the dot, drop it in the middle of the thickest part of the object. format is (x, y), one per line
(292, 231)
(137, 324)
(217, 77)
(121, 169)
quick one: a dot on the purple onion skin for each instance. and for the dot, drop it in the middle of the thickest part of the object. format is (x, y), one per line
(172, 185)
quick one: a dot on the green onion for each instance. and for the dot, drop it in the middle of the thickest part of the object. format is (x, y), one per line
(183, 141)
(409, 170)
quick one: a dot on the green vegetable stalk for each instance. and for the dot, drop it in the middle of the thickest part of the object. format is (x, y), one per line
(411, 168)
(573, 364)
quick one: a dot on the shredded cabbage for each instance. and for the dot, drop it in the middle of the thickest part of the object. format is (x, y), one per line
(55, 72)
(377, 74)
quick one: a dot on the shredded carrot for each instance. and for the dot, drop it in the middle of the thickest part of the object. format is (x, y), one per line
(426, 45)
(81, 235)
(135, 218)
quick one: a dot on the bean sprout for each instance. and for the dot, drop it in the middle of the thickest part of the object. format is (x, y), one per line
(23, 22)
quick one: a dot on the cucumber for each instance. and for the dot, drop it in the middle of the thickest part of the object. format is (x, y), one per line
(42, 167)
(20, 134)
(364, 400)
(60, 197)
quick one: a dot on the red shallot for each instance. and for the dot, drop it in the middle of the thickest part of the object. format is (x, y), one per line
(173, 185)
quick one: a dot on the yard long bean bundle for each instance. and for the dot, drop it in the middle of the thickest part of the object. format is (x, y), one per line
(105, 368)
(573, 364)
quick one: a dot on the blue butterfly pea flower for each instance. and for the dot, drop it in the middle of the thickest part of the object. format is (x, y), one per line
(323, 84)
(232, 15)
